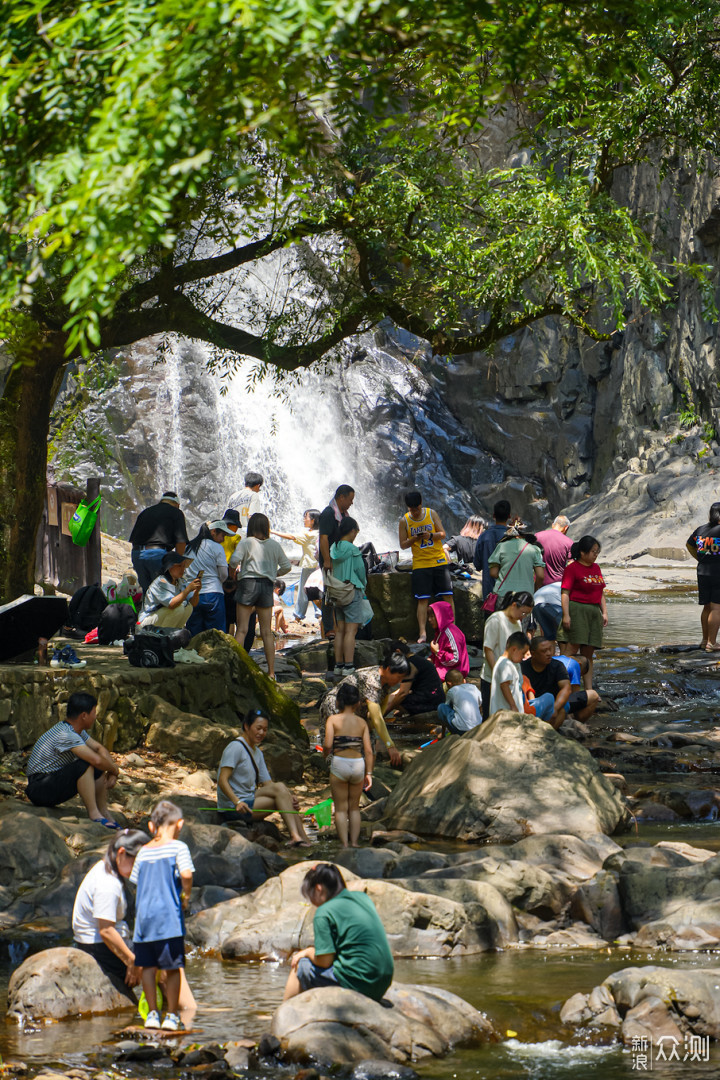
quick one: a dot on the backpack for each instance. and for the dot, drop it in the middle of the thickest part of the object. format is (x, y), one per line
(153, 646)
(86, 606)
(116, 623)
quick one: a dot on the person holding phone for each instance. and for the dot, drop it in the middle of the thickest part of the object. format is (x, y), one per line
(167, 602)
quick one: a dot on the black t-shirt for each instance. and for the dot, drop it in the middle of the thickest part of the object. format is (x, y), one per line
(427, 680)
(463, 547)
(160, 524)
(330, 527)
(545, 682)
(706, 540)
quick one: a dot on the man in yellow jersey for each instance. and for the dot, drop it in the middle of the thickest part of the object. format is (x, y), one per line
(421, 529)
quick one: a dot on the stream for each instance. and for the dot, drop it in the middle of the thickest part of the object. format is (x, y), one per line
(521, 989)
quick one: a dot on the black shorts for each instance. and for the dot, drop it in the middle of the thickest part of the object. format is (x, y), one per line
(51, 789)
(708, 590)
(255, 592)
(576, 702)
(430, 581)
(424, 701)
(167, 955)
(110, 964)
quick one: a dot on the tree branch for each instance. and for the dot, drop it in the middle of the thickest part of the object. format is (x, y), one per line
(198, 269)
(180, 316)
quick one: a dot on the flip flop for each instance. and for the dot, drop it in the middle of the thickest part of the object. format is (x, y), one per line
(106, 822)
(712, 648)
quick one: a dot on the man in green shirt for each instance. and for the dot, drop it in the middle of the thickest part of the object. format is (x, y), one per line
(351, 947)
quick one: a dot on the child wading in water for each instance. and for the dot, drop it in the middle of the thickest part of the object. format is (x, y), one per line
(163, 873)
(347, 742)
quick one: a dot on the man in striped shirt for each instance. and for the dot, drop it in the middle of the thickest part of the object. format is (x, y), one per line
(65, 762)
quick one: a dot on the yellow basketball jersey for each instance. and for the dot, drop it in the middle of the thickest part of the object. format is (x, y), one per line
(425, 550)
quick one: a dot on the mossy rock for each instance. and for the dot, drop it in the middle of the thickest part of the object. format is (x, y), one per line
(247, 683)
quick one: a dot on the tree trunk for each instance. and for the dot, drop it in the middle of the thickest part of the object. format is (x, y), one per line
(28, 397)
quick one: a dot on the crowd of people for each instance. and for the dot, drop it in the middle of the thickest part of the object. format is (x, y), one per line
(544, 597)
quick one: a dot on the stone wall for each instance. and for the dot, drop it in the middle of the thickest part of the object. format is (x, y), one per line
(220, 691)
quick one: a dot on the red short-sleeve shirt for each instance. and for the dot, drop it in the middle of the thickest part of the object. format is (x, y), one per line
(584, 583)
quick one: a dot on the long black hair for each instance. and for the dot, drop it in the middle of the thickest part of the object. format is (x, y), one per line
(522, 599)
(714, 515)
(193, 546)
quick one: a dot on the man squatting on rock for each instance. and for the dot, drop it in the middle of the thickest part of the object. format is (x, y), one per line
(65, 762)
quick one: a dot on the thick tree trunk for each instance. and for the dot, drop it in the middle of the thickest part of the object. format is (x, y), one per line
(28, 397)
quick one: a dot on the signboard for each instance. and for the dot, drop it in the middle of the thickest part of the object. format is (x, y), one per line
(52, 505)
(67, 509)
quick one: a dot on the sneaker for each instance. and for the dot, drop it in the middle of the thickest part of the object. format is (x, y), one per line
(349, 669)
(71, 659)
(172, 1022)
(153, 1019)
(57, 660)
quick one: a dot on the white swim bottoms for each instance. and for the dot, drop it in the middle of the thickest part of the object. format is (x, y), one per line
(349, 769)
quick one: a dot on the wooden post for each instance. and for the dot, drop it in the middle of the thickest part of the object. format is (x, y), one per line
(93, 565)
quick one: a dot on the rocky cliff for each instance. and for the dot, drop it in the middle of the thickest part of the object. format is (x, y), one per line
(621, 433)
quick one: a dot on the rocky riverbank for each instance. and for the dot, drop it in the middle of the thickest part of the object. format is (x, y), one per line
(555, 882)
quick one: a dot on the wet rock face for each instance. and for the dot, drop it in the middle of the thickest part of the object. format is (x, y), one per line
(334, 1025)
(655, 1003)
(510, 778)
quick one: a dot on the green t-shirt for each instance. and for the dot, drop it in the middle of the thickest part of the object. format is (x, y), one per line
(522, 576)
(350, 927)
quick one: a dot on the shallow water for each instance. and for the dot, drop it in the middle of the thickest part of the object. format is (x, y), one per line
(521, 990)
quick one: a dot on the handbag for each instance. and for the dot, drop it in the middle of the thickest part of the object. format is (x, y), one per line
(82, 523)
(490, 602)
(338, 592)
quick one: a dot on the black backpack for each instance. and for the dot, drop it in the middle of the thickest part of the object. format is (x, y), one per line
(86, 606)
(153, 646)
(116, 623)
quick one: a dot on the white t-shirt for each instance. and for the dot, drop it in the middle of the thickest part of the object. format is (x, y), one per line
(100, 896)
(498, 629)
(466, 702)
(506, 671)
(210, 558)
(247, 502)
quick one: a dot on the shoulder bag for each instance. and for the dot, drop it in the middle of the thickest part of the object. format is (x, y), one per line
(490, 602)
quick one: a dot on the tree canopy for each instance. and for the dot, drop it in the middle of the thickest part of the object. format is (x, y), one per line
(154, 151)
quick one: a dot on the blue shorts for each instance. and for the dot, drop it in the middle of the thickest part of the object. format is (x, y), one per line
(310, 975)
(168, 954)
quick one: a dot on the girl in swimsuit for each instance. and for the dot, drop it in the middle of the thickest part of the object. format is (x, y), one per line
(347, 744)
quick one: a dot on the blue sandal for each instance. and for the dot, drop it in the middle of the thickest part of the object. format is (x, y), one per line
(106, 822)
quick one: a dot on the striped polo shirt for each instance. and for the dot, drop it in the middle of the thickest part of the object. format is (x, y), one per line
(53, 750)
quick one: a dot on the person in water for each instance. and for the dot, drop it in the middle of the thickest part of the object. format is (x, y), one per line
(351, 947)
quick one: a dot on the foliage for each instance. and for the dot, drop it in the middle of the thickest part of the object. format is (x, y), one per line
(138, 133)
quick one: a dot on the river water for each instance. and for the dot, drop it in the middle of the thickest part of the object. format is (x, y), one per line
(521, 990)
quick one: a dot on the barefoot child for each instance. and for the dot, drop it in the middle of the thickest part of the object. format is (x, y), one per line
(506, 691)
(163, 874)
(347, 743)
(281, 626)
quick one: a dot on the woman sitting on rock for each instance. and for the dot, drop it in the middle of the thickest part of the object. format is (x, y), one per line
(351, 947)
(374, 685)
(244, 784)
(98, 918)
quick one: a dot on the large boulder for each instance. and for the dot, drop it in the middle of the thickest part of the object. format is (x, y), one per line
(394, 607)
(275, 920)
(336, 1026)
(223, 857)
(250, 685)
(678, 907)
(175, 732)
(512, 777)
(30, 849)
(653, 1003)
(59, 983)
